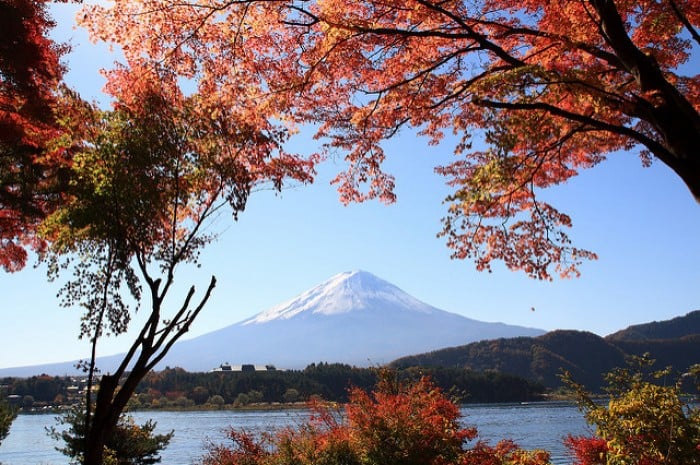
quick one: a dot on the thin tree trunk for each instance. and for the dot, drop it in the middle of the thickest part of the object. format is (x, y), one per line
(101, 424)
(112, 398)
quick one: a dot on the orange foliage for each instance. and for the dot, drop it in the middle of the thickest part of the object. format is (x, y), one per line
(534, 91)
(587, 450)
(409, 425)
(396, 424)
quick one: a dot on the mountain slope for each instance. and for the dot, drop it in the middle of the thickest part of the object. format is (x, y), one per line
(585, 355)
(343, 293)
(353, 318)
(678, 327)
(540, 359)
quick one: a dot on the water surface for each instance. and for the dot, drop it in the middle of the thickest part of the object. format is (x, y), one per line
(532, 426)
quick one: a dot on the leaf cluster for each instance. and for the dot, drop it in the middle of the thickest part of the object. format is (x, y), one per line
(643, 421)
(148, 179)
(32, 167)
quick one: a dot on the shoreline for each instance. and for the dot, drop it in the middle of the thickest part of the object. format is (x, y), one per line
(551, 400)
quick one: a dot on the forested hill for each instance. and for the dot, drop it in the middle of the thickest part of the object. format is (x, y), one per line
(586, 355)
(679, 327)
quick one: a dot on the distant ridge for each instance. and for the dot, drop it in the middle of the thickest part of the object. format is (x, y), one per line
(678, 327)
(353, 317)
(586, 356)
(539, 359)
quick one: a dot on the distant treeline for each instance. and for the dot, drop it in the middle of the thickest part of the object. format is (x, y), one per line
(42, 390)
(175, 387)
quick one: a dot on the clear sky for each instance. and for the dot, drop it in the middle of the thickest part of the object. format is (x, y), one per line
(642, 222)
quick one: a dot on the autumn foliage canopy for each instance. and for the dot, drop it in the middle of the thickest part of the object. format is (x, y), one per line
(31, 165)
(531, 92)
(526, 93)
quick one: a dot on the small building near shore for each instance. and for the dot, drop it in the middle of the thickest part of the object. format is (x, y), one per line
(246, 367)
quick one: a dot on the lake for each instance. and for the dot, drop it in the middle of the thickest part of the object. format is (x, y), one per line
(535, 425)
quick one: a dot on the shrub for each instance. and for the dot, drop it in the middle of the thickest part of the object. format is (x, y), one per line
(396, 424)
(400, 424)
(7, 416)
(290, 396)
(183, 402)
(216, 400)
(129, 444)
(241, 399)
(643, 423)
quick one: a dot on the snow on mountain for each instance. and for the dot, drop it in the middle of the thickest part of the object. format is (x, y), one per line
(354, 318)
(345, 292)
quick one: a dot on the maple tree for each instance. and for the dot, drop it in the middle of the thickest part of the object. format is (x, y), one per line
(149, 177)
(405, 423)
(31, 168)
(534, 91)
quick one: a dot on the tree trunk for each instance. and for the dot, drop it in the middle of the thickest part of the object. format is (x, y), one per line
(111, 402)
(102, 422)
(675, 119)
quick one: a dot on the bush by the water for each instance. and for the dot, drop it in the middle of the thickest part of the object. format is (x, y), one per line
(7, 415)
(399, 423)
(646, 421)
(129, 443)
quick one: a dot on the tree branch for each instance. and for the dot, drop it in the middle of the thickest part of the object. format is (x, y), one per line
(185, 326)
(658, 149)
(684, 20)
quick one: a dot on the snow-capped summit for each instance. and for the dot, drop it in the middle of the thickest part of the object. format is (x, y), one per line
(344, 292)
(354, 318)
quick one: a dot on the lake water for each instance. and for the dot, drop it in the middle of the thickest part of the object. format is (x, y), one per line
(531, 426)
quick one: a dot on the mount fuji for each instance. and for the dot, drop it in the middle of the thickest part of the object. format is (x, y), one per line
(354, 317)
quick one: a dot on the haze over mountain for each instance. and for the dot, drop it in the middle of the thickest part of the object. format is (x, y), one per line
(354, 317)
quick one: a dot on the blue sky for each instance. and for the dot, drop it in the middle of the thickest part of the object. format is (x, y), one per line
(642, 222)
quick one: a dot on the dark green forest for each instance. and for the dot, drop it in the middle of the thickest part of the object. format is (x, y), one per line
(177, 388)
(499, 370)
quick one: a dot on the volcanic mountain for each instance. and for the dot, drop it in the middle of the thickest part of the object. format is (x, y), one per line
(354, 317)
